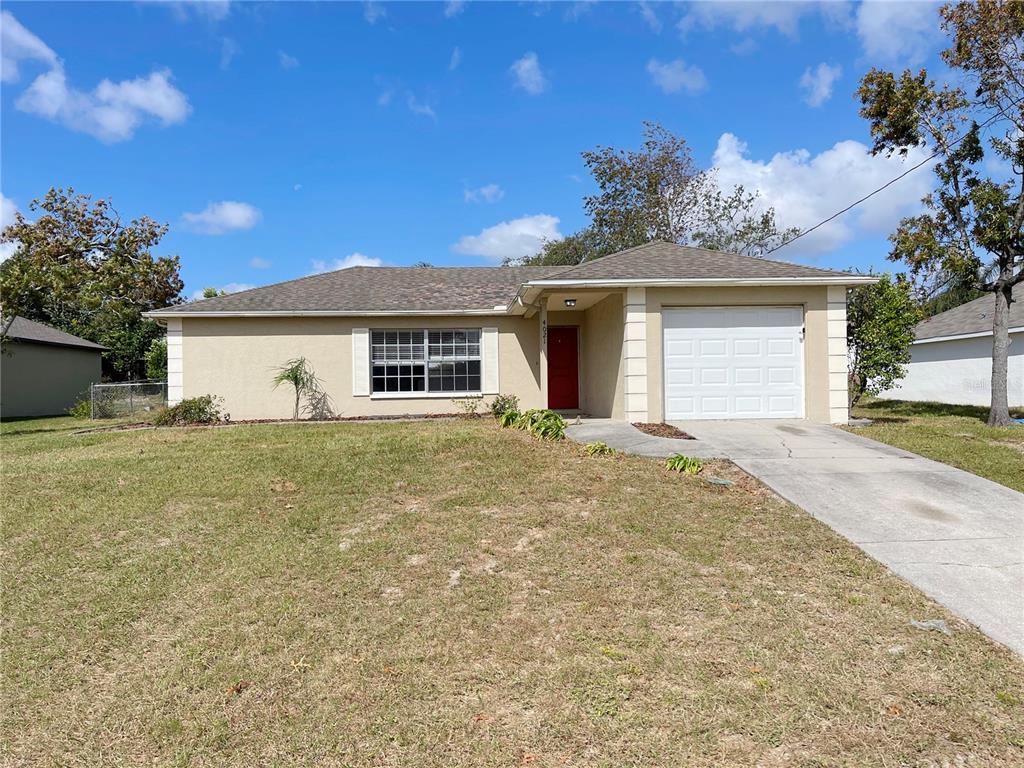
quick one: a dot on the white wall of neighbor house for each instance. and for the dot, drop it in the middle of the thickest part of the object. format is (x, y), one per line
(959, 371)
(235, 358)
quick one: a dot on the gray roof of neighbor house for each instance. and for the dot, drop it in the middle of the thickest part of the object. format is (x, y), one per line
(668, 261)
(38, 333)
(972, 317)
(481, 289)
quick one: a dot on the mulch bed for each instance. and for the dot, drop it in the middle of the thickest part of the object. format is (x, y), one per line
(662, 430)
(150, 425)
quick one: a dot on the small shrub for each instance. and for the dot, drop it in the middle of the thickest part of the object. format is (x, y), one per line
(82, 409)
(599, 449)
(204, 409)
(307, 386)
(687, 464)
(469, 405)
(545, 424)
(156, 360)
(509, 419)
(504, 404)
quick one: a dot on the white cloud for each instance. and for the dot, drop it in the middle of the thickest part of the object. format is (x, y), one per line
(209, 10)
(676, 76)
(17, 44)
(373, 12)
(489, 193)
(529, 76)
(286, 61)
(746, 16)
(576, 11)
(456, 59)
(228, 288)
(111, 112)
(228, 50)
(898, 32)
(352, 260)
(418, 107)
(744, 47)
(454, 8)
(817, 83)
(223, 217)
(257, 262)
(7, 211)
(510, 239)
(649, 16)
(805, 189)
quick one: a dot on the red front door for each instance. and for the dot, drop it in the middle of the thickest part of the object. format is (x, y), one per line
(563, 368)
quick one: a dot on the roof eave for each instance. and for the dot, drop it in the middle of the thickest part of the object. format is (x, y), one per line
(958, 336)
(704, 282)
(163, 314)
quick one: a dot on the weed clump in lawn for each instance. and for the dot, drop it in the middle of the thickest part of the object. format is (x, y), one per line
(599, 449)
(687, 464)
(204, 409)
(503, 404)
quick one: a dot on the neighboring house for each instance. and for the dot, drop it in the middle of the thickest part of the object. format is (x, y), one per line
(951, 358)
(43, 371)
(653, 333)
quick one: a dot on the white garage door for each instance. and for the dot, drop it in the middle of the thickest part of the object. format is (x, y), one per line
(734, 363)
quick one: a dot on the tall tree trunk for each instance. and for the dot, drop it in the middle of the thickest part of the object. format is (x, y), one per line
(999, 415)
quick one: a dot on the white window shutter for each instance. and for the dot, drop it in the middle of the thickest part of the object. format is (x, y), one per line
(489, 350)
(360, 362)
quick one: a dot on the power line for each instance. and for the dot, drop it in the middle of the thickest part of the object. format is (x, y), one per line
(885, 186)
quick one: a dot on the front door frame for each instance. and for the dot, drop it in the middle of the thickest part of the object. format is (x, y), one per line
(579, 367)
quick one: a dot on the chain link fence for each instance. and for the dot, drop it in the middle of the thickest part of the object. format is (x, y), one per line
(129, 398)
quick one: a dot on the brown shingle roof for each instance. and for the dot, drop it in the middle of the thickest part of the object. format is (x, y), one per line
(379, 289)
(972, 317)
(458, 289)
(29, 330)
(668, 261)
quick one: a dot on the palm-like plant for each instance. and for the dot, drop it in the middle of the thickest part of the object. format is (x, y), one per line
(297, 373)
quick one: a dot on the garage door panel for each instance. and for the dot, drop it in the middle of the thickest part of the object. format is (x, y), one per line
(739, 362)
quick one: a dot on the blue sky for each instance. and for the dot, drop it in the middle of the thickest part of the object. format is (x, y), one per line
(281, 139)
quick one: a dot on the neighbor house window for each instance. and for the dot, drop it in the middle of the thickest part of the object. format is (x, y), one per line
(426, 361)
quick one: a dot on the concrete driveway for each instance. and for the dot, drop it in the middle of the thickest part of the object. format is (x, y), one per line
(957, 537)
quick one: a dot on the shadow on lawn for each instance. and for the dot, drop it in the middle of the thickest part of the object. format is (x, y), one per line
(890, 411)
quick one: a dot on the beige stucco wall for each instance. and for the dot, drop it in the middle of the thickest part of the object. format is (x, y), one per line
(602, 355)
(235, 359)
(814, 300)
(43, 379)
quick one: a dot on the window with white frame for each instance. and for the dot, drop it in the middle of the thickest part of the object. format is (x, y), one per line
(425, 361)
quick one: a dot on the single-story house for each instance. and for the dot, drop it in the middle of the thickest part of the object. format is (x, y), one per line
(43, 371)
(951, 357)
(652, 333)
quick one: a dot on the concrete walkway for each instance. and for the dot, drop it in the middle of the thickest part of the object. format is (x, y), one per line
(957, 537)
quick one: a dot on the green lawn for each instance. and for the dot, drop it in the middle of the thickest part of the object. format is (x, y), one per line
(953, 434)
(447, 593)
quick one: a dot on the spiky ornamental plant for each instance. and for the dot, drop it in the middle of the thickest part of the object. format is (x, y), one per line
(298, 373)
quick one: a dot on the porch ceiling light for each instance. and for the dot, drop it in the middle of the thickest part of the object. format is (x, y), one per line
(570, 302)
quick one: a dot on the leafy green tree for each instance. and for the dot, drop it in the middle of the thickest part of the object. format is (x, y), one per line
(659, 193)
(880, 322)
(972, 230)
(156, 359)
(79, 268)
(213, 293)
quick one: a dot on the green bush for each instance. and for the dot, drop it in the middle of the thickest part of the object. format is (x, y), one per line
(82, 409)
(509, 418)
(599, 449)
(156, 360)
(504, 404)
(204, 409)
(687, 464)
(542, 423)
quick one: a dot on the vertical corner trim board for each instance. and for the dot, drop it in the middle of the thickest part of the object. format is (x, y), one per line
(634, 348)
(838, 396)
(175, 367)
